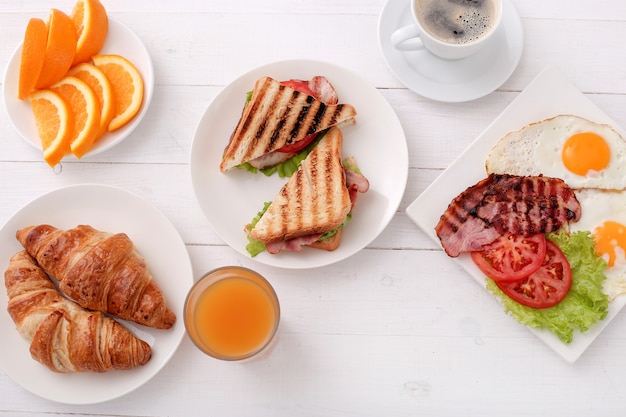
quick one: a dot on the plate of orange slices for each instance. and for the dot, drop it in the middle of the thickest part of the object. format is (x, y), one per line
(111, 74)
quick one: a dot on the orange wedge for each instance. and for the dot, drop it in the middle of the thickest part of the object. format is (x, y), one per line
(127, 86)
(33, 52)
(60, 49)
(86, 110)
(100, 85)
(92, 24)
(54, 120)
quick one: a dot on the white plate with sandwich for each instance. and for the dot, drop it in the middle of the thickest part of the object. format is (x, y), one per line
(231, 199)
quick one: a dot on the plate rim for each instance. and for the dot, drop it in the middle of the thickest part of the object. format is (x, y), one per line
(159, 358)
(310, 65)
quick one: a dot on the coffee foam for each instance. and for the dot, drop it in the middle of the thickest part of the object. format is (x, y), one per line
(456, 21)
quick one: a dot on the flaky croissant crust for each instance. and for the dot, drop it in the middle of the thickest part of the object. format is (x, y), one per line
(64, 336)
(100, 271)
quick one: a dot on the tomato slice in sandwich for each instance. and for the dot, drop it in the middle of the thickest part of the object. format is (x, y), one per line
(299, 85)
(303, 87)
(545, 287)
(511, 257)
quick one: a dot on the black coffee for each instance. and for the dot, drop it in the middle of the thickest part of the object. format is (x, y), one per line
(456, 21)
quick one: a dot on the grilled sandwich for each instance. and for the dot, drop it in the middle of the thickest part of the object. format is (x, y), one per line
(275, 120)
(314, 205)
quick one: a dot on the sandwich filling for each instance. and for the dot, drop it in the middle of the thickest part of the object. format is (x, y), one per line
(312, 208)
(279, 123)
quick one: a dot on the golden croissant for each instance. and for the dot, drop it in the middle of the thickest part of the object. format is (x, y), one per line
(100, 271)
(64, 336)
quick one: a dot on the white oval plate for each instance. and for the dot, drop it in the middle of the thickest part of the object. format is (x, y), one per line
(120, 40)
(231, 200)
(113, 210)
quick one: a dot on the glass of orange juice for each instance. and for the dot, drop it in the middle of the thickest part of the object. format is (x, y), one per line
(232, 313)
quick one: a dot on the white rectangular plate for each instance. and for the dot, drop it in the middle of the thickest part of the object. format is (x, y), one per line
(550, 94)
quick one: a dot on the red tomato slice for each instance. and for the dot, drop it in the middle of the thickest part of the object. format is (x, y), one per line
(303, 87)
(547, 286)
(299, 85)
(299, 145)
(511, 257)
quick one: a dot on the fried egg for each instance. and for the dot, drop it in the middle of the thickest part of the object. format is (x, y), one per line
(582, 153)
(604, 216)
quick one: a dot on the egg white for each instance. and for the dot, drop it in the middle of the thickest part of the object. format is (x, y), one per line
(599, 206)
(536, 149)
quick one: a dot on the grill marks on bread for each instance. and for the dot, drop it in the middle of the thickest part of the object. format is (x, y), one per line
(505, 203)
(276, 116)
(314, 200)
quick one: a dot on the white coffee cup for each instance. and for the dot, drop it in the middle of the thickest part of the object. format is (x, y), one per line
(449, 29)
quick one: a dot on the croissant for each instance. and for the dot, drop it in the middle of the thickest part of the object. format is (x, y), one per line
(100, 271)
(64, 336)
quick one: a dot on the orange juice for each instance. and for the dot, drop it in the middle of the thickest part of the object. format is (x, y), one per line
(232, 313)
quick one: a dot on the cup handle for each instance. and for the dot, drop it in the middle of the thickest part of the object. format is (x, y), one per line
(407, 38)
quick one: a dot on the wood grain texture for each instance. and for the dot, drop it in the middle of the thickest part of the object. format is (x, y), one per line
(396, 330)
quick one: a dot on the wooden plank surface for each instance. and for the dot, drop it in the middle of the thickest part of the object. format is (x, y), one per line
(396, 330)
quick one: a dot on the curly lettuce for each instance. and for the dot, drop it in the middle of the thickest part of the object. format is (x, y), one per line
(254, 247)
(584, 305)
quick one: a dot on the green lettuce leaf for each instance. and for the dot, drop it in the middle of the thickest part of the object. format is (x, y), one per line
(331, 233)
(254, 247)
(287, 168)
(584, 305)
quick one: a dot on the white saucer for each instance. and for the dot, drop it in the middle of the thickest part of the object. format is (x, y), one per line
(452, 81)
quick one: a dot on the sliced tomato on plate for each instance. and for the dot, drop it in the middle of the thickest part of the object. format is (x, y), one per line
(511, 257)
(545, 287)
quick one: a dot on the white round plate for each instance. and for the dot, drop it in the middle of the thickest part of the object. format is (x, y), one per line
(231, 200)
(452, 81)
(121, 41)
(157, 241)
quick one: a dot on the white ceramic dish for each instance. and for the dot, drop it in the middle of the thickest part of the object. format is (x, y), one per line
(452, 81)
(120, 40)
(113, 210)
(548, 95)
(231, 200)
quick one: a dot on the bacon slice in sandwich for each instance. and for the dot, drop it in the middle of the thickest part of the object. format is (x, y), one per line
(279, 116)
(312, 207)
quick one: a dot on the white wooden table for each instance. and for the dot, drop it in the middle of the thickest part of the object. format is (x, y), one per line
(396, 330)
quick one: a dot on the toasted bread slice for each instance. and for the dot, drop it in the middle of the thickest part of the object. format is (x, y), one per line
(314, 200)
(329, 244)
(278, 115)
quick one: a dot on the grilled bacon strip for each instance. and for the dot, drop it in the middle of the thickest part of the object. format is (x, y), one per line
(505, 203)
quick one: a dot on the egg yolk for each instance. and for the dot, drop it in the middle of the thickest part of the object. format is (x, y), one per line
(586, 151)
(610, 240)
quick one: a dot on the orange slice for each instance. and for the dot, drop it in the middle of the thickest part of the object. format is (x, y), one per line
(100, 85)
(92, 24)
(127, 86)
(33, 52)
(54, 120)
(84, 106)
(60, 49)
